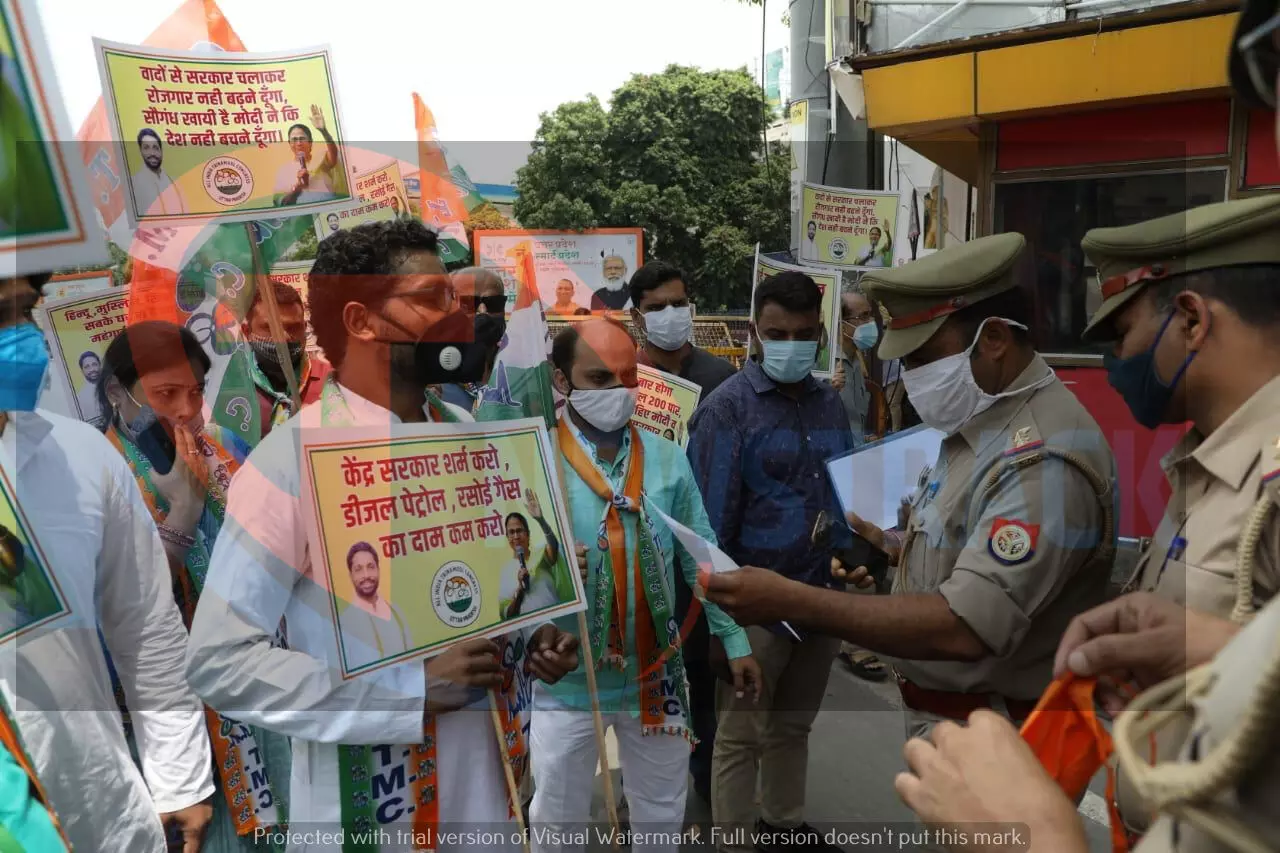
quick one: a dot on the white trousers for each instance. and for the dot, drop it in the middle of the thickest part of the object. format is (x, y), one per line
(655, 780)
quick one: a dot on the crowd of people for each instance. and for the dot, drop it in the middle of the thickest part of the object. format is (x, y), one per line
(199, 617)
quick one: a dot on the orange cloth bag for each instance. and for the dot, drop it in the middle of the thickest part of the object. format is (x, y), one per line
(1066, 735)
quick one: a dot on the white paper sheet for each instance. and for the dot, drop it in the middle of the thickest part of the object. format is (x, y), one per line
(872, 481)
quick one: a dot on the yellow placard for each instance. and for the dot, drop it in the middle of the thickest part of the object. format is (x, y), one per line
(235, 136)
(419, 534)
(381, 197)
(79, 329)
(30, 596)
(828, 281)
(665, 404)
(847, 228)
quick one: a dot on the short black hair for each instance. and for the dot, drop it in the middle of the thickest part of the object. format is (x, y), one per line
(1012, 304)
(1249, 291)
(145, 132)
(358, 548)
(565, 345)
(792, 291)
(811, 222)
(370, 254)
(305, 130)
(518, 516)
(89, 354)
(145, 347)
(653, 275)
(285, 295)
(333, 216)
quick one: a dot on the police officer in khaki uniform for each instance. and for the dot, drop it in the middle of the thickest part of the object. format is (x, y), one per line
(1191, 303)
(1013, 534)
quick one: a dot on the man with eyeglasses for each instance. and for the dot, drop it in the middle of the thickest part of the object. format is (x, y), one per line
(491, 306)
(410, 746)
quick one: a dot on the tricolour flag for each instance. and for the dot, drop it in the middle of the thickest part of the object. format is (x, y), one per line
(443, 208)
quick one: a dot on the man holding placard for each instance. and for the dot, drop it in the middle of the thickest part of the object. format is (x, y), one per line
(406, 747)
(74, 516)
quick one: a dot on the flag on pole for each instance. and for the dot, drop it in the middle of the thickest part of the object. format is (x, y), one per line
(197, 25)
(520, 386)
(443, 208)
(471, 198)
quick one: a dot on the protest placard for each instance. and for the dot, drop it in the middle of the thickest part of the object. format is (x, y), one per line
(79, 329)
(47, 219)
(847, 228)
(232, 136)
(380, 195)
(76, 284)
(432, 534)
(577, 272)
(665, 404)
(30, 596)
(828, 281)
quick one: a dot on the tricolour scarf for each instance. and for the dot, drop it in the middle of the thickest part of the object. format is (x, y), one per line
(356, 762)
(608, 629)
(250, 808)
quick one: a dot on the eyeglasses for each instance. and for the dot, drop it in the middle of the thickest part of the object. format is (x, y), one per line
(439, 295)
(1260, 50)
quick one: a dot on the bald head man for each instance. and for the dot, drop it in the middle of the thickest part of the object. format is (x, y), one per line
(595, 363)
(485, 285)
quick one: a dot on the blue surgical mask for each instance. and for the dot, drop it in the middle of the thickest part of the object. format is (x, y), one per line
(1135, 377)
(865, 336)
(24, 360)
(788, 362)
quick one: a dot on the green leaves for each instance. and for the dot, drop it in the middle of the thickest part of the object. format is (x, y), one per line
(680, 154)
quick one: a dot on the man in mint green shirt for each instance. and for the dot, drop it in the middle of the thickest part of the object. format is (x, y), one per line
(641, 682)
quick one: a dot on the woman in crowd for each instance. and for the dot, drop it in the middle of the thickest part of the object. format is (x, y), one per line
(152, 391)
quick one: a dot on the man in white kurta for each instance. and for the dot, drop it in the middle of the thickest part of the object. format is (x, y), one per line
(93, 528)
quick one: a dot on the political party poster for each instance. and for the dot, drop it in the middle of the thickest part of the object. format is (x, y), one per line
(381, 196)
(294, 274)
(30, 596)
(78, 330)
(665, 404)
(828, 281)
(576, 272)
(77, 284)
(847, 228)
(232, 136)
(47, 219)
(432, 534)
(799, 163)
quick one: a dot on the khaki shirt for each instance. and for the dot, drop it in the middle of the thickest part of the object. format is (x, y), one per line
(1238, 670)
(1016, 561)
(1217, 482)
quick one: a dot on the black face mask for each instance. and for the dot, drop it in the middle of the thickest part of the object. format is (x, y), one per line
(267, 355)
(455, 350)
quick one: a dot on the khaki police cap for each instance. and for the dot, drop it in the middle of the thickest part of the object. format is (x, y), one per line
(916, 299)
(1227, 234)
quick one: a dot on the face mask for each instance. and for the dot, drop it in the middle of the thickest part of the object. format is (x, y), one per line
(788, 362)
(24, 360)
(608, 409)
(945, 394)
(1141, 387)
(865, 336)
(669, 328)
(455, 349)
(268, 358)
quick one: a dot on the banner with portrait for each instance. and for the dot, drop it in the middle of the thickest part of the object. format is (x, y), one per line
(381, 196)
(577, 272)
(231, 136)
(829, 282)
(665, 404)
(47, 219)
(30, 596)
(847, 228)
(79, 329)
(432, 534)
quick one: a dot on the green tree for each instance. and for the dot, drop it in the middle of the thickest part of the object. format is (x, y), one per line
(680, 154)
(486, 217)
(305, 249)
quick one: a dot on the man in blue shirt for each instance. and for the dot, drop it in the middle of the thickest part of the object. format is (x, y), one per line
(758, 449)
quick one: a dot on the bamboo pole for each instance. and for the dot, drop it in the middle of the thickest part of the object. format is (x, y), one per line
(512, 790)
(262, 283)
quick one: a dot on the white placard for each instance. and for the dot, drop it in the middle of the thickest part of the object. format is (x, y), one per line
(872, 480)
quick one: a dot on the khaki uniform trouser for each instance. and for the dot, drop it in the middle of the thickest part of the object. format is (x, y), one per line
(769, 740)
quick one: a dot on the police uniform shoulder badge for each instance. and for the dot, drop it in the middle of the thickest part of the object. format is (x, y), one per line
(1012, 542)
(1271, 469)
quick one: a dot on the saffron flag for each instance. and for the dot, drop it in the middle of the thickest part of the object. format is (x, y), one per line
(443, 207)
(197, 25)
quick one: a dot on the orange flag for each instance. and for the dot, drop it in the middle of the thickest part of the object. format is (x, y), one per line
(196, 25)
(442, 206)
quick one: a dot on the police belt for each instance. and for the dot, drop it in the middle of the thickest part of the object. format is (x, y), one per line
(958, 706)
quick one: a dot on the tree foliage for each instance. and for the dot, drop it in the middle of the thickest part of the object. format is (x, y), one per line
(680, 154)
(486, 217)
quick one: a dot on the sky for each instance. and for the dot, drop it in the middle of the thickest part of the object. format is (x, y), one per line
(487, 68)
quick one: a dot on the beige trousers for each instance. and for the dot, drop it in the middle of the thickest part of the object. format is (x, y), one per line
(769, 740)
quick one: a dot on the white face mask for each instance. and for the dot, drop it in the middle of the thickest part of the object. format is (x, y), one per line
(945, 394)
(669, 329)
(608, 409)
